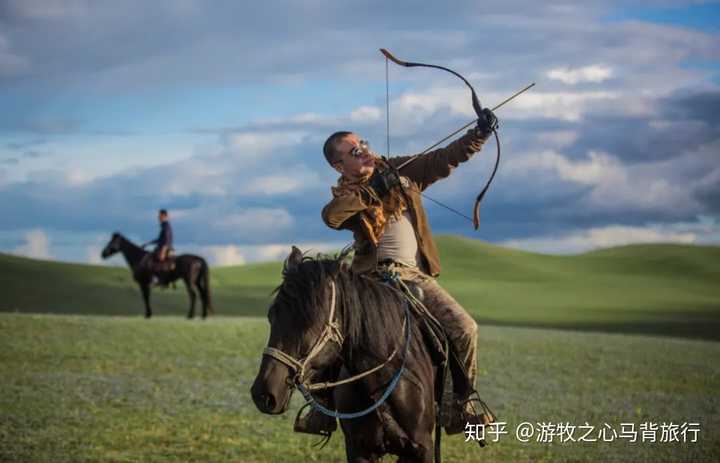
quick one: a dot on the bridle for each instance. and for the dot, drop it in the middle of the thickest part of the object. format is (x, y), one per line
(331, 333)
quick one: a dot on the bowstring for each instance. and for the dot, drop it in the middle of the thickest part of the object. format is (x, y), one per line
(448, 208)
(387, 132)
(387, 104)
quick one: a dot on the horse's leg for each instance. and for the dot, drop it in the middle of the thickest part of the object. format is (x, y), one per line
(190, 286)
(422, 454)
(201, 282)
(414, 411)
(356, 454)
(421, 438)
(145, 288)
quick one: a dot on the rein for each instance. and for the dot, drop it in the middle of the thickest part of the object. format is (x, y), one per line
(331, 332)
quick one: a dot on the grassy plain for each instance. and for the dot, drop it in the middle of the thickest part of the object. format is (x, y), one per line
(96, 388)
(562, 340)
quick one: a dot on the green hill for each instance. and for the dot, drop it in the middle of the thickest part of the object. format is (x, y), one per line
(662, 289)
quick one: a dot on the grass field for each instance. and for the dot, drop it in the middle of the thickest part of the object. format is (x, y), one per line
(659, 289)
(102, 384)
(81, 388)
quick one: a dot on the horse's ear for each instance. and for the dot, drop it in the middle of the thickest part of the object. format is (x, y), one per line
(345, 252)
(294, 260)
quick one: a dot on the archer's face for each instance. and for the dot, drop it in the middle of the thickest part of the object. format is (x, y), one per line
(354, 167)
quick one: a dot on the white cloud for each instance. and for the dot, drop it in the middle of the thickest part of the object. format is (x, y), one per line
(366, 114)
(557, 139)
(242, 163)
(231, 254)
(75, 177)
(195, 176)
(217, 222)
(252, 145)
(412, 109)
(37, 245)
(223, 255)
(279, 184)
(664, 187)
(255, 221)
(667, 186)
(596, 169)
(595, 73)
(93, 255)
(602, 237)
(567, 106)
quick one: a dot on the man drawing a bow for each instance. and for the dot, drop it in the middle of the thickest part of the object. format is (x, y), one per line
(382, 207)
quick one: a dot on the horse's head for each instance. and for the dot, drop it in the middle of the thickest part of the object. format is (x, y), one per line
(303, 339)
(112, 247)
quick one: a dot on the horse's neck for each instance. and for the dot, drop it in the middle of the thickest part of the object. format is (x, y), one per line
(361, 353)
(133, 254)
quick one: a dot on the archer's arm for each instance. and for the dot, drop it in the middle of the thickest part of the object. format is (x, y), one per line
(338, 213)
(431, 167)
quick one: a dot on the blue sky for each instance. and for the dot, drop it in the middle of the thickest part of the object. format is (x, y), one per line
(695, 15)
(218, 112)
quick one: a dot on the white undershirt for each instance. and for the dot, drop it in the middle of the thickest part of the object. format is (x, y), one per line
(398, 242)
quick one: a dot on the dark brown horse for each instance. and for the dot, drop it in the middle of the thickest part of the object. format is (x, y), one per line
(326, 317)
(192, 269)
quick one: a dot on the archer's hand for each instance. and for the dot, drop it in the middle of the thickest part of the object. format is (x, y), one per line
(486, 124)
(384, 181)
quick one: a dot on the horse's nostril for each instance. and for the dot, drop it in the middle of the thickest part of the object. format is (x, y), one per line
(269, 400)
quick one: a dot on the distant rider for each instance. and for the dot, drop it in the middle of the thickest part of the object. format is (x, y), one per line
(160, 262)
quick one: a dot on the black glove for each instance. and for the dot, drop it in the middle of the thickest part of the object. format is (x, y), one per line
(487, 123)
(382, 181)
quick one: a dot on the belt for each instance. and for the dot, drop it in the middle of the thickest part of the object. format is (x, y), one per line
(391, 262)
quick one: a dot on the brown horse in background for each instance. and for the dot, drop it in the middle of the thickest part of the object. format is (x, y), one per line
(192, 269)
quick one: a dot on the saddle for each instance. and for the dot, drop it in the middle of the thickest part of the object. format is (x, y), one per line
(160, 269)
(164, 266)
(153, 263)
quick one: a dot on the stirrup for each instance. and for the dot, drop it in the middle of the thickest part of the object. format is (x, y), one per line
(472, 410)
(314, 422)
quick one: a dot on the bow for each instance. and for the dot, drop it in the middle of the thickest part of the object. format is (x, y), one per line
(477, 107)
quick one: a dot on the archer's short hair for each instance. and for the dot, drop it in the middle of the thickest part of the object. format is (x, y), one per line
(330, 146)
(163, 212)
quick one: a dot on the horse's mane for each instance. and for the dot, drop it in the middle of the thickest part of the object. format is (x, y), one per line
(372, 312)
(125, 239)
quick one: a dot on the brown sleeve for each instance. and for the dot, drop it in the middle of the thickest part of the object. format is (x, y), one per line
(338, 212)
(431, 167)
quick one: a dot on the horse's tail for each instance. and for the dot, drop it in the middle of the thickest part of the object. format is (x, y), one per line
(204, 287)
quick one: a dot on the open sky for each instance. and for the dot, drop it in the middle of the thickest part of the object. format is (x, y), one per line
(218, 111)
